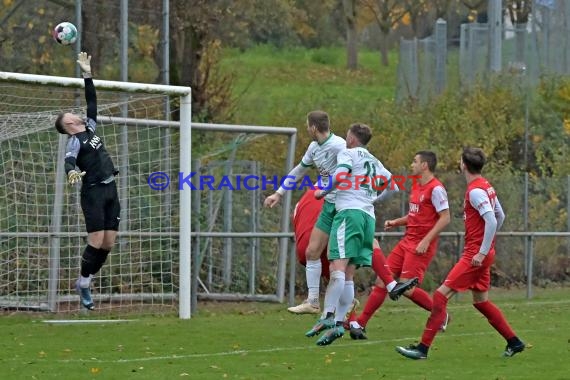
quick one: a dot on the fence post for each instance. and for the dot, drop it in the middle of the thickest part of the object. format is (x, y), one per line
(530, 258)
(568, 206)
(525, 218)
(292, 273)
(464, 56)
(458, 254)
(495, 9)
(196, 259)
(440, 55)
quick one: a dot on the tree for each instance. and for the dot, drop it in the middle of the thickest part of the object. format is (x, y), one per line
(387, 14)
(349, 7)
(195, 55)
(418, 14)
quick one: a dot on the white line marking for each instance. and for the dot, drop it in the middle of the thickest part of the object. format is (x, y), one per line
(81, 321)
(281, 349)
(312, 346)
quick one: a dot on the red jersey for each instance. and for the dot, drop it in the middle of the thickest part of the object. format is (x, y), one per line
(306, 213)
(474, 223)
(426, 202)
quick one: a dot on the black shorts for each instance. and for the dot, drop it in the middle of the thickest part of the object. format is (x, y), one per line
(101, 207)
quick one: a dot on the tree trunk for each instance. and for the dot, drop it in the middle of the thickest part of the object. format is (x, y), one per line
(384, 50)
(351, 34)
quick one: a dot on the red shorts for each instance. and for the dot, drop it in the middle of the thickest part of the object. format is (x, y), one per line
(404, 262)
(301, 244)
(463, 276)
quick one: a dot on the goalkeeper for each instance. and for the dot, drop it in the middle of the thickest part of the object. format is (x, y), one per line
(99, 198)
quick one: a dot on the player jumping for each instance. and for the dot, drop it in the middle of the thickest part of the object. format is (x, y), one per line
(99, 199)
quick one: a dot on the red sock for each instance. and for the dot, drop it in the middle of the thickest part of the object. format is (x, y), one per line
(380, 267)
(495, 318)
(375, 300)
(436, 318)
(421, 298)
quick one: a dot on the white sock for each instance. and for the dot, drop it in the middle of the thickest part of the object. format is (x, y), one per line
(345, 301)
(391, 286)
(84, 282)
(334, 291)
(355, 324)
(313, 271)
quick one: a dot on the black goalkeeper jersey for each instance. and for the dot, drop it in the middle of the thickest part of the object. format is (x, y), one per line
(86, 150)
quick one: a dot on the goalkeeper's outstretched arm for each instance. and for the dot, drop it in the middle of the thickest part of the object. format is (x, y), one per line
(84, 62)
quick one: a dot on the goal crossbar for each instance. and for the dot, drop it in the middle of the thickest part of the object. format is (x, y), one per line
(102, 84)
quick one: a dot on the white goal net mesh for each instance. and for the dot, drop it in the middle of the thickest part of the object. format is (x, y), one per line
(141, 268)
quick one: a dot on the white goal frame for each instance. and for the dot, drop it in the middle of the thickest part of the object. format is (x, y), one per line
(185, 164)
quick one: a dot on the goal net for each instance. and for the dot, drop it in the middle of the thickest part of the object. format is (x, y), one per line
(149, 270)
(42, 229)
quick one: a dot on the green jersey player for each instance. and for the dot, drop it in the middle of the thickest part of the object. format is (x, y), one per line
(321, 154)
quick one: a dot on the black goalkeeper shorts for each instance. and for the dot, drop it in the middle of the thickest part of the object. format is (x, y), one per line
(101, 207)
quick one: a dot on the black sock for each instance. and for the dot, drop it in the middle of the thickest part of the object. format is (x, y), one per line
(100, 260)
(339, 323)
(329, 315)
(88, 260)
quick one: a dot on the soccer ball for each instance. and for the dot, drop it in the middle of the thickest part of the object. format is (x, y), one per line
(65, 33)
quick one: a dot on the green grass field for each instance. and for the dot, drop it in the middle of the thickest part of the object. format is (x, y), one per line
(282, 85)
(262, 341)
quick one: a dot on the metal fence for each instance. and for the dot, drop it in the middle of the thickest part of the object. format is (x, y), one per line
(539, 47)
(524, 261)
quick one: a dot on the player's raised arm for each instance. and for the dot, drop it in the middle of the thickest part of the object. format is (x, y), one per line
(291, 179)
(84, 62)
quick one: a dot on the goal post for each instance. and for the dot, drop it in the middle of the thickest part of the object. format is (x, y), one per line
(185, 156)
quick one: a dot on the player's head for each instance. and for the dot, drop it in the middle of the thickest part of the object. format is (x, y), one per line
(358, 135)
(424, 160)
(317, 122)
(472, 160)
(66, 123)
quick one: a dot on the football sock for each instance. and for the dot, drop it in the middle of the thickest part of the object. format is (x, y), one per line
(89, 260)
(495, 318)
(84, 282)
(421, 298)
(313, 273)
(435, 320)
(345, 301)
(100, 260)
(334, 291)
(380, 267)
(375, 300)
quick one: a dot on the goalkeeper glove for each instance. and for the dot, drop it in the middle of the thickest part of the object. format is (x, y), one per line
(84, 62)
(74, 177)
